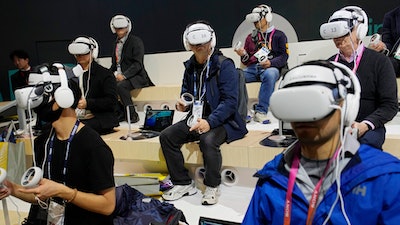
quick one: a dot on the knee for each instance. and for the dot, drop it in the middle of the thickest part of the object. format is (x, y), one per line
(207, 142)
(270, 75)
(164, 136)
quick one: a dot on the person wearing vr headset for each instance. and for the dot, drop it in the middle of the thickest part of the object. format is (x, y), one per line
(127, 63)
(77, 183)
(390, 38)
(264, 54)
(347, 27)
(326, 176)
(98, 106)
(213, 116)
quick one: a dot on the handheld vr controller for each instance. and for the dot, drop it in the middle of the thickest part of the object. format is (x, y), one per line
(31, 177)
(3, 175)
(187, 99)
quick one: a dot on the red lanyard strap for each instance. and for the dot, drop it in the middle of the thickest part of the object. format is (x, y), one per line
(292, 180)
(356, 60)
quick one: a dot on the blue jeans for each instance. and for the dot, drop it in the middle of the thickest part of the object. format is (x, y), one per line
(268, 78)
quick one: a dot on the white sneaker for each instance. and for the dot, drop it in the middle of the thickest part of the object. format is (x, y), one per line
(261, 118)
(178, 191)
(210, 196)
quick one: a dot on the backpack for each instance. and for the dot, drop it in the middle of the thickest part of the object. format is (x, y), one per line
(243, 97)
(133, 207)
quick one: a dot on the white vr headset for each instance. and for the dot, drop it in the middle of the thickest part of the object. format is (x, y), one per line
(198, 35)
(120, 22)
(311, 92)
(39, 83)
(78, 48)
(334, 29)
(253, 17)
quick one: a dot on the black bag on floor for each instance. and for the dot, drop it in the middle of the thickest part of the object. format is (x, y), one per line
(133, 207)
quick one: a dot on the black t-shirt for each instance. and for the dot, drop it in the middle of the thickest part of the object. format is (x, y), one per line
(89, 169)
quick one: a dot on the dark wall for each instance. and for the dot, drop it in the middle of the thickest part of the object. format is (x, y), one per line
(44, 28)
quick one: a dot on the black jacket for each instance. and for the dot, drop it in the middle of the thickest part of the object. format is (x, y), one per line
(102, 95)
(132, 62)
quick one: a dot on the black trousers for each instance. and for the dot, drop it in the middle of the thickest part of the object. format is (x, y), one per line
(172, 139)
(124, 89)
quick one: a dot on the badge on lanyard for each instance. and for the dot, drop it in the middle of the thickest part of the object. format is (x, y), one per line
(55, 213)
(197, 112)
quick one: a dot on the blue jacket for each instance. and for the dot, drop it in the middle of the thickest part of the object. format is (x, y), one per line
(370, 188)
(221, 94)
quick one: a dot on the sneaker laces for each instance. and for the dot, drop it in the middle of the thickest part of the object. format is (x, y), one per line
(211, 192)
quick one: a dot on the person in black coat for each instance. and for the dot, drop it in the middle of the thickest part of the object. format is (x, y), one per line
(19, 79)
(127, 62)
(98, 105)
(390, 37)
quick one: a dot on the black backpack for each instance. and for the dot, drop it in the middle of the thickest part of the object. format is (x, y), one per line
(243, 97)
(133, 207)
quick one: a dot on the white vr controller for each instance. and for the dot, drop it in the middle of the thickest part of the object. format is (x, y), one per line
(3, 175)
(238, 45)
(197, 112)
(187, 99)
(375, 38)
(31, 177)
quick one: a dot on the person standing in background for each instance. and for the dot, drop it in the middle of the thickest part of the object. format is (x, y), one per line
(127, 63)
(19, 79)
(391, 38)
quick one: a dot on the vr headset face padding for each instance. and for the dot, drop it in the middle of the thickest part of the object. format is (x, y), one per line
(84, 45)
(120, 21)
(198, 33)
(258, 13)
(311, 92)
(63, 94)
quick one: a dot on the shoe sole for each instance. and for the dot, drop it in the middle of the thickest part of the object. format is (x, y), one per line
(189, 193)
(211, 203)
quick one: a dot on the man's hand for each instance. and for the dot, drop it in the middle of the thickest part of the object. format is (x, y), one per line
(265, 64)
(240, 51)
(82, 104)
(201, 126)
(119, 77)
(380, 46)
(180, 105)
(361, 127)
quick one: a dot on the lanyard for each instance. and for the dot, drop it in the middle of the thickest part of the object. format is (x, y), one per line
(292, 179)
(269, 39)
(202, 87)
(356, 61)
(51, 145)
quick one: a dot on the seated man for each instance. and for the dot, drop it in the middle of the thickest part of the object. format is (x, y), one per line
(98, 105)
(213, 118)
(265, 53)
(327, 177)
(378, 102)
(127, 63)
